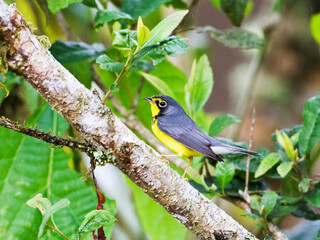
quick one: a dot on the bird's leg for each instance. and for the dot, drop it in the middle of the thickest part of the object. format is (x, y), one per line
(167, 155)
(185, 171)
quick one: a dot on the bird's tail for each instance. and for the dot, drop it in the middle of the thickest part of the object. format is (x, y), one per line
(223, 148)
(246, 151)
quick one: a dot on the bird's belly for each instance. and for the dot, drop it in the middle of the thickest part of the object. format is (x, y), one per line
(173, 145)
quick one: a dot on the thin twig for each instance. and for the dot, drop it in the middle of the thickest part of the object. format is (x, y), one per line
(119, 76)
(123, 71)
(135, 100)
(101, 200)
(57, 141)
(245, 193)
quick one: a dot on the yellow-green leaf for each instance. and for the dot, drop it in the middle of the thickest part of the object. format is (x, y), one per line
(143, 32)
(280, 139)
(315, 27)
(3, 86)
(288, 146)
(158, 83)
(165, 27)
(284, 168)
(266, 164)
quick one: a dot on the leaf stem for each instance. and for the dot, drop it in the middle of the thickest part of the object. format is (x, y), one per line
(56, 229)
(124, 70)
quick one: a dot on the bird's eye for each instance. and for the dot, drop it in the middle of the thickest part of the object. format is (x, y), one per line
(163, 104)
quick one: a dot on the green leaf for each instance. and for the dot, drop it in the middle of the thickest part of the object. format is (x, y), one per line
(172, 46)
(94, 220)
(111, 206)
(142, 32)
(158, 83)
(253, 216)
(165, 27)
(278, 5)
(7, 82)
(199, 86)
(234, 9)
(30, 166)
(222, 122)
(69, 52)
(40, 202)
(313, 197)
(255, 204)
(310, 134)
(109, 64)
(224, 173)
(235, 38)
(57, 5)
(284, 168)
(108, 16)
(43, 4)
(268, 202)
(315, 27)
(318, 235)
(249, 9)
(304, 185)
(295, 138)
(90, 3)
(142, 65)
(285, 142)
(266, 164)
(6, 91)
(284, 206)
(141, 8)
(216, 3)
(154, 219)
(31, 97)
(47, 210)
(125, 41)
(289, 147)
(177, 4)
(82, 71)
(114, 87)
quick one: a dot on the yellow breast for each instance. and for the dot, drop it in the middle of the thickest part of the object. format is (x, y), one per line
(172, 144)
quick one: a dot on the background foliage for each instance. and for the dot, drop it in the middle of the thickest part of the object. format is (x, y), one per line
(129, 49)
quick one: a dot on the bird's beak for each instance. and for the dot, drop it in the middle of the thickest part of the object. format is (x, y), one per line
(149, 99)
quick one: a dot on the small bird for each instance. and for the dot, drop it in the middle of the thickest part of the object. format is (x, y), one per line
(178, 132)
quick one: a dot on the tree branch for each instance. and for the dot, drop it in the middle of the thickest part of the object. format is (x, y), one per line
(100, 127)
(57, 141)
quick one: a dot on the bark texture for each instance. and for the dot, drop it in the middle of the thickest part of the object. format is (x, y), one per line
(26, 57)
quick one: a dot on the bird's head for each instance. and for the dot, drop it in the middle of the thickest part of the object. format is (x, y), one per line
(164, 105)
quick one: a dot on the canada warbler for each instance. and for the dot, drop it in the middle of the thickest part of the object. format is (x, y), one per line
(178, 132)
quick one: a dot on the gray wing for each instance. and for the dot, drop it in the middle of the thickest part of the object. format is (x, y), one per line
(187, 133)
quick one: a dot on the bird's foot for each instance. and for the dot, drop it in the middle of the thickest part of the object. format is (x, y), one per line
(167, 155)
